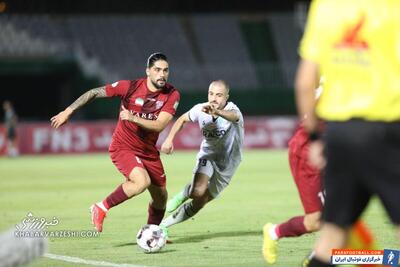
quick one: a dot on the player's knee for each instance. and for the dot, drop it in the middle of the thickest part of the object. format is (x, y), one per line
(139, 184)
(197, 192)
(312, 221)
(313, 226)
(145, 184)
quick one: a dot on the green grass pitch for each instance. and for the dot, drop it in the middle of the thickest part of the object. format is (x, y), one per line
(227, 232)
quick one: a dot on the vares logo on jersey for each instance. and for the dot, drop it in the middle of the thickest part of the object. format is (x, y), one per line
(146, 116)
(213, 133)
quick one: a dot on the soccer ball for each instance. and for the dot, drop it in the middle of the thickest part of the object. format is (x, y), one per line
(151, 238)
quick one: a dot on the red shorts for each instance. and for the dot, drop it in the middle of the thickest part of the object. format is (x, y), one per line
(308, 182)
(125, 160)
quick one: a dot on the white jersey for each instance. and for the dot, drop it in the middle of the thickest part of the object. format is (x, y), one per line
(223, 139)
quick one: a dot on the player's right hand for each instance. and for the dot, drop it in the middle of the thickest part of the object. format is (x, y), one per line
(61, 118)
(167, 147)
(316, 154)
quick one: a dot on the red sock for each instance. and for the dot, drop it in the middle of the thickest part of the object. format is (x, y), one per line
(293, 227)
(115, 198)
(155, 215)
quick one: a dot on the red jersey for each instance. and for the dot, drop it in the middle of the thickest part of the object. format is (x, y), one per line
(140, 101)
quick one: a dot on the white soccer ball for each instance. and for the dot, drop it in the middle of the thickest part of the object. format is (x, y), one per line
(151, 238)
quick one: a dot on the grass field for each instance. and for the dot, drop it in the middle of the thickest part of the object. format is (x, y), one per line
(226, 233)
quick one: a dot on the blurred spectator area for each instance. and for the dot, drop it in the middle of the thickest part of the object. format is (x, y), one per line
(256, 54)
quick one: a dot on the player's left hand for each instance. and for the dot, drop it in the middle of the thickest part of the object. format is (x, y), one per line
(210, 109)
(125, 114)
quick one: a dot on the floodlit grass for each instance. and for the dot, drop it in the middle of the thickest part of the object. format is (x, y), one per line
(226, 233)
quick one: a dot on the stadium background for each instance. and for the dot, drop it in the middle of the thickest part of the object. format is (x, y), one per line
(53, 51)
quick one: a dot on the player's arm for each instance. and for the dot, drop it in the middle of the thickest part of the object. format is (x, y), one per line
(306, 82)
(62, 117)
(168, 146)
(151, 125)
(230, 115)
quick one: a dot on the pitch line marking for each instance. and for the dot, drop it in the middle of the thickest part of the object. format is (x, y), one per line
(87, 262)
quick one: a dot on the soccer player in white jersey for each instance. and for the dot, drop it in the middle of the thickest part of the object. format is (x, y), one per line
(221, 124)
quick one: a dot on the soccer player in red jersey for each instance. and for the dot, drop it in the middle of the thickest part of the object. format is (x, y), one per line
(309, 185)
(147, 106)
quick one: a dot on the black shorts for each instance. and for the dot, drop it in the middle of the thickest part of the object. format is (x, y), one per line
(363, 160)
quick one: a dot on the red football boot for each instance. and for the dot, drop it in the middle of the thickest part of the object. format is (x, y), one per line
(98, 216)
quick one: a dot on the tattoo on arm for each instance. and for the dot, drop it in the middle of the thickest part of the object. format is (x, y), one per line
(88, 96)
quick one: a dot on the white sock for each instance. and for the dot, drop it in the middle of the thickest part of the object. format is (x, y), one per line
(182, 214)
(272, 233)
(186, 190)
(101, 206)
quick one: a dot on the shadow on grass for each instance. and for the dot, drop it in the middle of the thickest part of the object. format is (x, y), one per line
(126, 244)
(211, 235)
(131, 244)
(202, 237)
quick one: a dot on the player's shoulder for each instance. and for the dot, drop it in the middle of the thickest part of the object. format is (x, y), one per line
(199, 106)
(196, 111)
(138, 82)
(121, 83)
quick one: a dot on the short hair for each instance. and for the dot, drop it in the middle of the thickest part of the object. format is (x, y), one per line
(155, 57)
(223, 83)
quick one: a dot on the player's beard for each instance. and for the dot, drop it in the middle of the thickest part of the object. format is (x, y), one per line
(216, 105)
(158, 86)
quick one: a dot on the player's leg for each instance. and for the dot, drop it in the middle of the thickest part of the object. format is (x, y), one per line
(177, 200)
(200, 194)
(202, 166)
(308, 183)
(384, 177)
(312, 221)
(156, 209)
(332, 236)
(207, 185)
(200, 197)
(296, 226)
(157, 190)
(137, 180)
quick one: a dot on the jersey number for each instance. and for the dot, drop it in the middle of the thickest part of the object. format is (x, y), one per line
(203, 162)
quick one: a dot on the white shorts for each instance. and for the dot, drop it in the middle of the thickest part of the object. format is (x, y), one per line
(216, 183)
